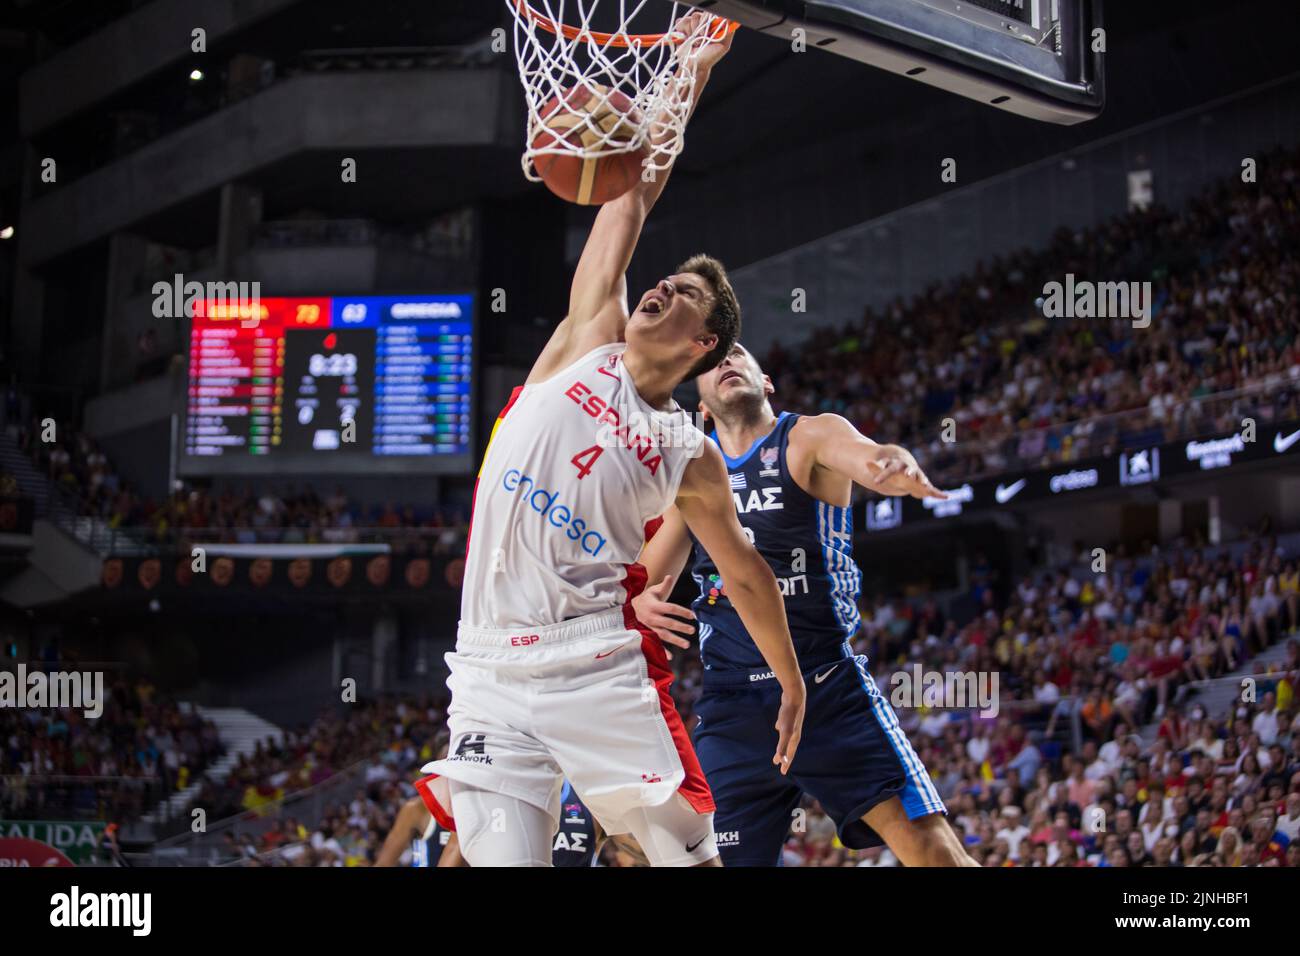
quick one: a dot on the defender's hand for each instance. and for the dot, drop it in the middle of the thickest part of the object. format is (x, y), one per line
(897, 473)
(789, 725)
(655, 611)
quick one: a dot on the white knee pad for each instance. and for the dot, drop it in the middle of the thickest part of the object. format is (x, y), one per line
(496, 830)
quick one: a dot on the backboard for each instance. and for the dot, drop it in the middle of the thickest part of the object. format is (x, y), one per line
(1038, 58)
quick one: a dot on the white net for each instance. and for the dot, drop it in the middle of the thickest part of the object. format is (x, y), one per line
(570, 50)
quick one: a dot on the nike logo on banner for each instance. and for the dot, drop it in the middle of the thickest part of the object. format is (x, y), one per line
(1281, 444)
(822, 676)
(692, 847)
(1004, 493)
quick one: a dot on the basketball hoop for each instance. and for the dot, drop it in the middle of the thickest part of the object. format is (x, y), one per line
(558, 54)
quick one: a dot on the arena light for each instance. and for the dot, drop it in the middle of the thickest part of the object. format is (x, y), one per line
(7, 232)
(196, 76)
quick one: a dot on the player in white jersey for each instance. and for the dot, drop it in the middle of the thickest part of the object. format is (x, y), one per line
(553, 676)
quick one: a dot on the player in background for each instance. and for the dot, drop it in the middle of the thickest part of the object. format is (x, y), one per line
(415, 827)
(553, 676)
(578, 839)
(791, 479)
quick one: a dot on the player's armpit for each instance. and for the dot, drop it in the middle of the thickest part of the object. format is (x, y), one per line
(572, 340)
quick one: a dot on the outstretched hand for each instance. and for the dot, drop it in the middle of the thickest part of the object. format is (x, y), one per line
(897, 474)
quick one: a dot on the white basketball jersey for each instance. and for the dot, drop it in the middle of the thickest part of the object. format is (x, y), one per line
(577, 467)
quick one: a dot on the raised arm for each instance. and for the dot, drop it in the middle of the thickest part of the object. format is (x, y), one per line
(598, 308)
(705, 503)
(887, 469)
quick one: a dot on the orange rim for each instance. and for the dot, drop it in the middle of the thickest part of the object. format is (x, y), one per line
(722, 28)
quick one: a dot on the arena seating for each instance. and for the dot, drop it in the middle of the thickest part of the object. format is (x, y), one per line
(58, 764)
(84, 477)
(1026, 391)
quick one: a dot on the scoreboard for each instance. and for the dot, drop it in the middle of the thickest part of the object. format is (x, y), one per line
(360, 385)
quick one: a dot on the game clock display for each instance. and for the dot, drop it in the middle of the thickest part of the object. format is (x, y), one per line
(330, 384)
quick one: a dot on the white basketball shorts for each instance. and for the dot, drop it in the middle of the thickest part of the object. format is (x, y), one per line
(586, 700)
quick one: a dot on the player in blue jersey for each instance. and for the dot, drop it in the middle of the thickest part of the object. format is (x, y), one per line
(792, 478)
(416, 829)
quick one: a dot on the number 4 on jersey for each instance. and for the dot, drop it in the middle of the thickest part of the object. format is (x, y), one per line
(584, 460)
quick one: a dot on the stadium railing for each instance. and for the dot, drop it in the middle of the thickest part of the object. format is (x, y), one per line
(107, 539)
(449, 237)
(76, 797)
(209, 848)
(353, 59)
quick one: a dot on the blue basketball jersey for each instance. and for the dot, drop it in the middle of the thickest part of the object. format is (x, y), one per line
(427, 848)
(575, 840)
(809, 545)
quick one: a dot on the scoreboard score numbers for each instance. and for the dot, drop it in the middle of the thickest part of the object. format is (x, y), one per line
(359, 385)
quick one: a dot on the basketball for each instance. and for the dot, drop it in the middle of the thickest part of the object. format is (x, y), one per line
(583, 118)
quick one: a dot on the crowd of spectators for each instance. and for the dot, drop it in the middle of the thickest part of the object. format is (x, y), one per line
(1108, 655)
(1026, 391)
(1134, 636)
(374, 748)
(84, 476)
(1208, 791)
(388, 733)
(57, 763)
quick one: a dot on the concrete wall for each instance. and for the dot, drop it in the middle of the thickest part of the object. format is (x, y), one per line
(126, 51)
(326, 112)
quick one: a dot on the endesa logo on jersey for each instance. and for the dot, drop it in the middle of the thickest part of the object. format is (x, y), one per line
(560, 517)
